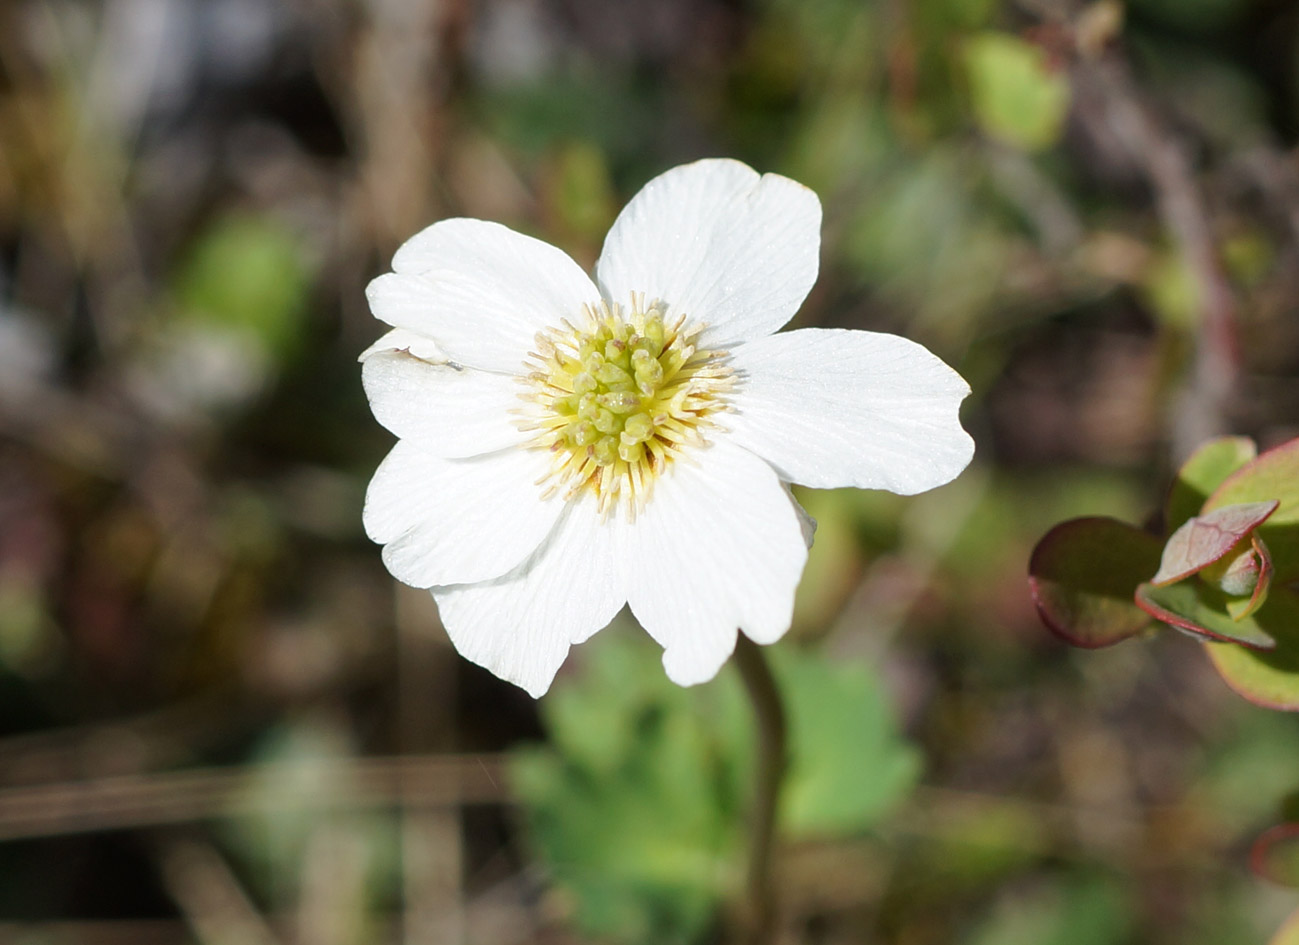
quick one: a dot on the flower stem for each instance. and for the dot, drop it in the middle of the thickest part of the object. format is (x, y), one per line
(759, 916)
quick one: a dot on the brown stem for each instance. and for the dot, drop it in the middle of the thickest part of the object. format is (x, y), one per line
(759, 919)
(1205, 405)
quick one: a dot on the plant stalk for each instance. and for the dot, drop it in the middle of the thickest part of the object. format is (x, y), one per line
(760, 906)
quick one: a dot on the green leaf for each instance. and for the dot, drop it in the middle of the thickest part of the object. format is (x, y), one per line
(1083, 574)
(1268, 678)
(1172, 291)
(1201, 609)
(1275, 855)
(1018, 97)
(631, 809)
(639, 808)
(1203, 472)
(848, 765)
(1273, 475)
(1204, 539)
(1288, 934)
(247, 275)
(1255, 567)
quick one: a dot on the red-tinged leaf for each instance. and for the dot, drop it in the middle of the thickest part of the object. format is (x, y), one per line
(1275, 854)
(1240, 609)
(1082, 576)
(1203, 472)
(1274, 475)
(1201, 609)
(1268, 678)
(1207, 538)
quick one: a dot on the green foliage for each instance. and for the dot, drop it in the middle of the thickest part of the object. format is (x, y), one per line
(840, 727)
(834, 560)
(1086, 910)
(1214, 576)
(1268, 678)
(581, 192)
(1083, 576)
(246, 275)
(638, 809)
(1276, 855)
(293, 806)
(1201, 16)
(1206, 468)
(1288, 934)
(1018, 98)
(1172, 291)
(1202, 608)
(1274, 475)
(579, 105)
(922, 227)
(980, 843)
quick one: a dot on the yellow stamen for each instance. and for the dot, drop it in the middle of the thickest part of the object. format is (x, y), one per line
(619, 398)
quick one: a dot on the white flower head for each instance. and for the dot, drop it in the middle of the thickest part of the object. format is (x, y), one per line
(566, 447)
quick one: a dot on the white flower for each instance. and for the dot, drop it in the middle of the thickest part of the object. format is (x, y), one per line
(567, 446)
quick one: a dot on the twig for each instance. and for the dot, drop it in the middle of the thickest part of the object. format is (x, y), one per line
(1204, 407)
(184, 796)
(213, 902)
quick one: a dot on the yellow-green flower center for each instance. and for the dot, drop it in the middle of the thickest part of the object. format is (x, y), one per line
(618, 397)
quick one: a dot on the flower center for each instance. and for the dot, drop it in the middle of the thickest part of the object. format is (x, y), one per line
(618, 398)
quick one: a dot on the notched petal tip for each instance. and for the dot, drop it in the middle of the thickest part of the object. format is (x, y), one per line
(835, 407)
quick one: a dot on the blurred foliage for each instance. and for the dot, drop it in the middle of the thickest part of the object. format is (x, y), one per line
(638, 807)
(246, 275)
(1017, 97)
(1083, 911)
(1091, 210)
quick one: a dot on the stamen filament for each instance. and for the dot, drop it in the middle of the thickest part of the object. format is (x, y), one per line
(617, 400)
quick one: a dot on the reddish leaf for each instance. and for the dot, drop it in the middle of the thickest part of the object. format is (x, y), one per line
(1207, 538)
(1201, 609)
(1203, 472)
(1275, 855)
(1274, 475)
(1083, 574)
(1268, 678)
(1262, 580)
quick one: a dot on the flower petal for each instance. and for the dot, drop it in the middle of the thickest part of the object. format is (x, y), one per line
(520, 625)
(399, 339)
(716, 241)
(718, 546)
(480, 291)
(830, 407)
(452, 411)
(452, 521)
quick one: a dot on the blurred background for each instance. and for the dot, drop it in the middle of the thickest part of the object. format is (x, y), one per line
(222, 722)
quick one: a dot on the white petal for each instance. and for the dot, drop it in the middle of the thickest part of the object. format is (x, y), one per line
(715, 241)
(480, 291)
(451, 521)
(830, 407)
(399, 339)
(718, 546)
(452, 411)
(520, 626)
